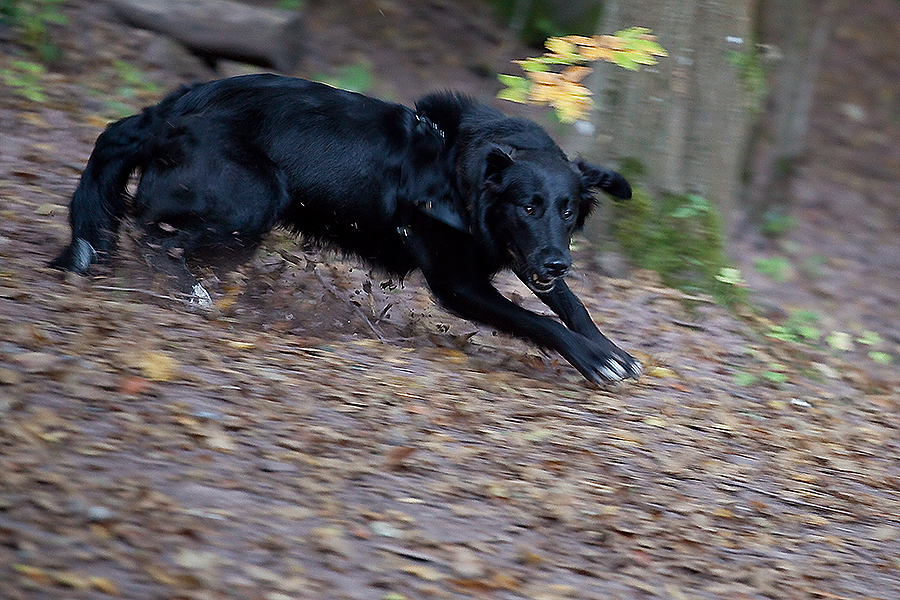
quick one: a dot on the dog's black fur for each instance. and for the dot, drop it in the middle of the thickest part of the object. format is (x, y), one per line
(453, 188)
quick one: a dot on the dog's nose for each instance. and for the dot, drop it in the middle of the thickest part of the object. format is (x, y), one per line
(556, 268)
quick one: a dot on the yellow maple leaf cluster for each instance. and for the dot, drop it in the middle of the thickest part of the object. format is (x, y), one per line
(554, 78)
(563, 91)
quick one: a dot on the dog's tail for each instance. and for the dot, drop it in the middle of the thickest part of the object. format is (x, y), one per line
(98, 203)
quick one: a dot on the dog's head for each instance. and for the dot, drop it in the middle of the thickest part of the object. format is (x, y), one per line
(535, 199)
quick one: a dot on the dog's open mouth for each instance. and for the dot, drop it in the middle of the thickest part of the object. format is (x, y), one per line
(540, 285)
(529, 275)
(535, 282)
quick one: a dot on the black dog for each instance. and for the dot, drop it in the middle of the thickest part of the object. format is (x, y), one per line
(453, 188)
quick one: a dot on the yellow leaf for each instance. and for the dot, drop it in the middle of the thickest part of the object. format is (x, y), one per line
(97, 121)
(561, 47)
(241, 345)
(157, 366)
(654, 421)
(33, 573)
(71, 579)
(225, 302)
(575, 73)
(661, 372)
(816, 520)
(423, 572)
(36, 119)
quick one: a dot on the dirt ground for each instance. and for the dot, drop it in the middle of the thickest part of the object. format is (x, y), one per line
(329, 434)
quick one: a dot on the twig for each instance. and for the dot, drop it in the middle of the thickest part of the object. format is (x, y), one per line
(359, 311)
(112, 288)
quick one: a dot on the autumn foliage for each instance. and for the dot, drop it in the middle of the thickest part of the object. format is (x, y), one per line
(555, 77)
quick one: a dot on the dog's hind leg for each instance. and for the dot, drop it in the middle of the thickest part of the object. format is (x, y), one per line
(167, 256)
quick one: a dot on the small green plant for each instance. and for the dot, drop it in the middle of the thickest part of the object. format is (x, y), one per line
(134, 82)
(290, 4)
(744, 378)
(881, 357)
(774, 374)
(355, 78)
(801, 327)
(132, 90)
(31, 19)
(775, 222)
(25, 79)
(681, 238)
(777, 268)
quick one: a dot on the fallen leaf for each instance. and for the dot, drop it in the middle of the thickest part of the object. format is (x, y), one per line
(71, 579)
(34, 573)
(157, 366)
(239, 345)
(133, 385)
(104, 585)
(466, 564)
(10, 377)
(397, 455)
(331, 541)
(423, 572)
(661, 372)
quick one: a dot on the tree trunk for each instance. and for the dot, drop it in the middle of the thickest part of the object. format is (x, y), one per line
(798, 31)
(686, 120)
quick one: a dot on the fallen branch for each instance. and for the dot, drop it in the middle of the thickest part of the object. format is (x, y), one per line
(220, 29)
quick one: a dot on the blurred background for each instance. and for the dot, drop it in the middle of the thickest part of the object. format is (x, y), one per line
(326, 433)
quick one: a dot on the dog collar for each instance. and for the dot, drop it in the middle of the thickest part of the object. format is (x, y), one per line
(430, 123)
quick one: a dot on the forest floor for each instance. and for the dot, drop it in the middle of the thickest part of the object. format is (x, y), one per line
(328, 434)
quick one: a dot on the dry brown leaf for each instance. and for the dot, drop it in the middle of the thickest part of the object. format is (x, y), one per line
(104, 585)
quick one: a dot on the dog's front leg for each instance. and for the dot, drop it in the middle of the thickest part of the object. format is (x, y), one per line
(566, 304)
(597, 359)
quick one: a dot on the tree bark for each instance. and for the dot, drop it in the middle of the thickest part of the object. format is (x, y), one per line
(219, 29)
(686, 120)
(798, 31)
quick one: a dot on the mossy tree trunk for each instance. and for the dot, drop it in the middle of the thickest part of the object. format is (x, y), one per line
(686, 120)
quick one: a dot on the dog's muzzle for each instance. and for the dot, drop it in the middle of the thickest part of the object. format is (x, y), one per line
(539, 284)
(540, 279)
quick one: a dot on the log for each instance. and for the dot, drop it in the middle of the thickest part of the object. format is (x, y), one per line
(220, 29)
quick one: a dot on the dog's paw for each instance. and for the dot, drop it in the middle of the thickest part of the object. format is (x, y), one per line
(620, 366)
(602, 361)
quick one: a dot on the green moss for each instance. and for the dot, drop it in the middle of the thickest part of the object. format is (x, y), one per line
(752, 73)
(680, 237)
(541, 23)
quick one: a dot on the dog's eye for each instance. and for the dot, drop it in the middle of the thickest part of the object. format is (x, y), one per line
(529, 209)
(568, 214)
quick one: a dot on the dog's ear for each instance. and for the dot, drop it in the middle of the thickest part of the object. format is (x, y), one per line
(496, 161)
(596, 178)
